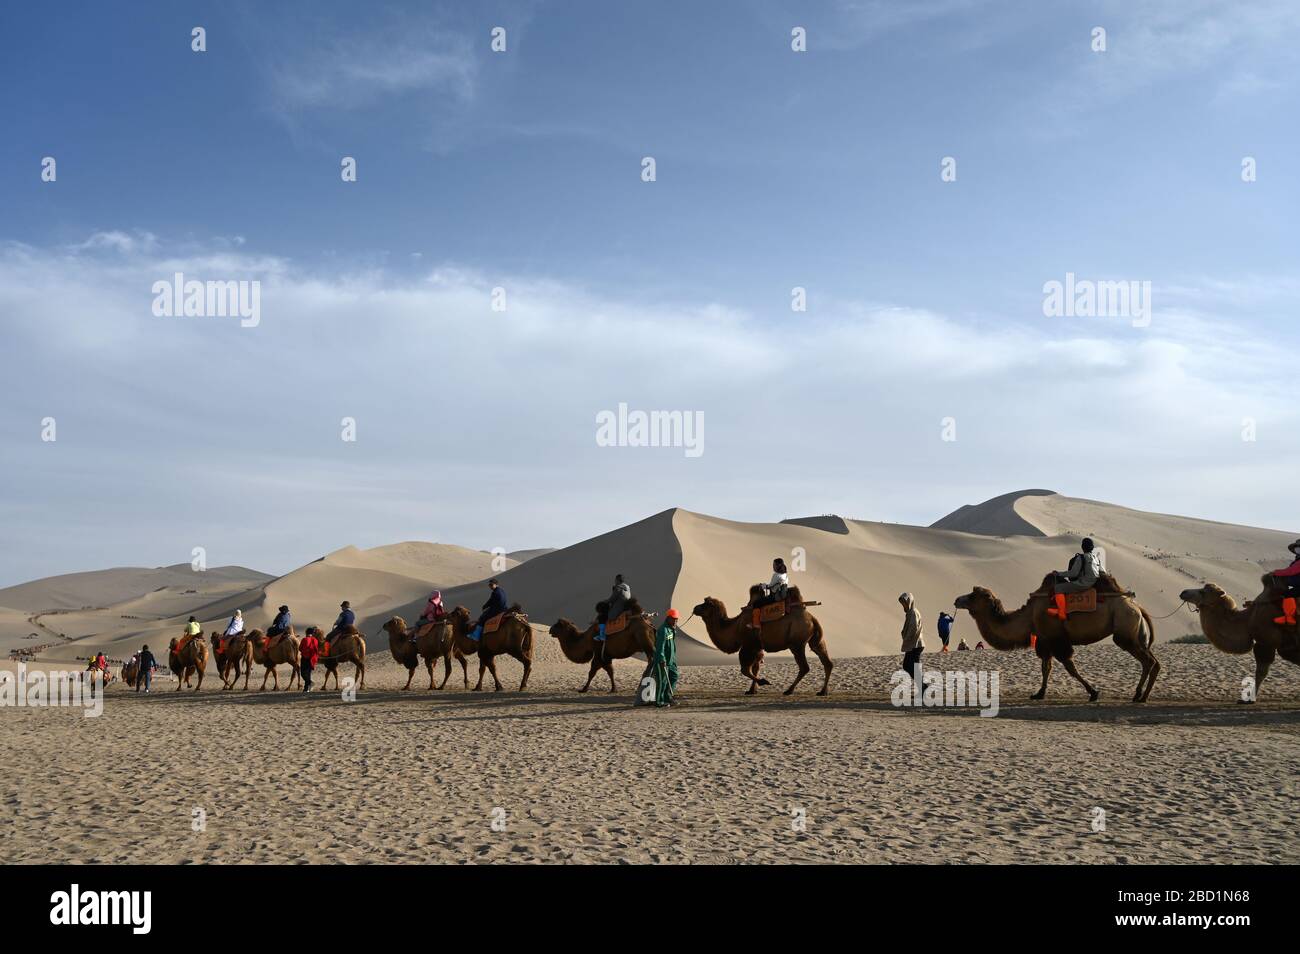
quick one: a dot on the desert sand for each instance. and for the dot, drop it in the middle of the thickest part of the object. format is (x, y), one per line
(416, 777)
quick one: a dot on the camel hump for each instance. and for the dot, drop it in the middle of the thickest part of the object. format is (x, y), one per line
(516, 609)
(633, 608)
(792, 595)
(1107, 584)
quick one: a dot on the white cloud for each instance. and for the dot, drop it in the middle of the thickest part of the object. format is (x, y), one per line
(458, 407)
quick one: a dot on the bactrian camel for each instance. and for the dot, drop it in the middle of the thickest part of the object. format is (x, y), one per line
(583, 647)
(273, 651)
(430, 642)
(346, 646)
(514, 637)
(797, 631)
(1116, 615)
(191, 658)
(1246, 629)
(232, 653)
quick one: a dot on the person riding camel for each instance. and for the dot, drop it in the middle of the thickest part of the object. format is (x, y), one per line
(192, 629)
(346, 619)
(1289, 578)
(432, 613)
(495, 606)
(774, 592)
(235, 626)
(614, 607)
(1085, 569)
(281, 624)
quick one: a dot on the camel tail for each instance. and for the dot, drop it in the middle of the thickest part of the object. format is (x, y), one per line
(818, 640)
(1150, 625)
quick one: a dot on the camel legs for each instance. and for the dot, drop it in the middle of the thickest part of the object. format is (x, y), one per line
(609, 668)
(428, 664)
(528, 667)
(359, 677)
(591, 673)
(464, 668)
(1264, 656)
(201, 670)
(1150, 665)
(827, 665)
(485, 663)
(1047, 671)
(798, 650)
(446, 662)
(410, 674)
(1068, 663)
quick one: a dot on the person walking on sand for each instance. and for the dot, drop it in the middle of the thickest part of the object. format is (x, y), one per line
(144, 675)
(913, 640)
(945, 630)
(309, 655)
(664, 665)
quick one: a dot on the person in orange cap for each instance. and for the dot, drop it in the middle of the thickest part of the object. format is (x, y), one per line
(664, 665)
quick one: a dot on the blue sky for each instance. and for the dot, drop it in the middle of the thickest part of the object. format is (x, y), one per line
(521, 170)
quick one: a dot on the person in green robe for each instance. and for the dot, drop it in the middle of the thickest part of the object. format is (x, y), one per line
(664, 665)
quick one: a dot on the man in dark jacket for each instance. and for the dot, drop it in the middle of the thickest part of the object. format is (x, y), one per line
(281, 623)
(145, 674)
(495, 605)
(347, 619)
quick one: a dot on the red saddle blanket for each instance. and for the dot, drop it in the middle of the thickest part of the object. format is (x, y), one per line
(185, 641)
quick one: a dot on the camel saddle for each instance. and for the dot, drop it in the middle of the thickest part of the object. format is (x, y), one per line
(617, 624)
(1085, 602)
(494, 623)
(185, 641)
(773, 611)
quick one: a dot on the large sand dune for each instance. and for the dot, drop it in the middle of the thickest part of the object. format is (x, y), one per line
(675, 558)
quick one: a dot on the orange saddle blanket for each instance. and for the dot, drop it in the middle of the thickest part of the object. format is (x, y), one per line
(617, 624)
(493, 624)
(1085, 602)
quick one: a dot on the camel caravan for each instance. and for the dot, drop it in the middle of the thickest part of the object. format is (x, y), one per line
(1082, 605)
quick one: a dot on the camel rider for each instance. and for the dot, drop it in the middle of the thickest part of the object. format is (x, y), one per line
(236, 625)
(774, 592)
(192, 628)
(619, 597)
(1289, 578)
(432, 613)
(347, 619)
(280, 625)
(1084, 571)
(495, 606)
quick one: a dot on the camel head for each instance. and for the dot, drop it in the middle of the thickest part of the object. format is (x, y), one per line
(711, 609)
(976, 599)
(563, 629)
(459, 618)
(1211, 594)
(171, 647)
(395, 626)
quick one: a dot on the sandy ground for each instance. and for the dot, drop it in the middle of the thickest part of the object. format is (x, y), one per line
(421, 777)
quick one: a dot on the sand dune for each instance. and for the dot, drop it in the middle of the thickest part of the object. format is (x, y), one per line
(374, 580)
(676, 558)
